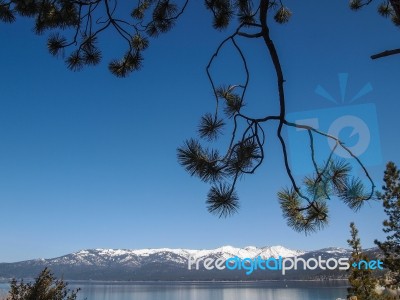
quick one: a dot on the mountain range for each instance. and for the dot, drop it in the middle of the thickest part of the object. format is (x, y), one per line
(170, 264)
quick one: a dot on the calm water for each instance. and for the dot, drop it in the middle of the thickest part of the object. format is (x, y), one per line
(210, 291)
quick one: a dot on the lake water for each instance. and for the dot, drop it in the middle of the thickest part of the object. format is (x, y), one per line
(288, 290)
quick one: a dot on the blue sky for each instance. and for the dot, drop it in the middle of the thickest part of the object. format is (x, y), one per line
(89, 161)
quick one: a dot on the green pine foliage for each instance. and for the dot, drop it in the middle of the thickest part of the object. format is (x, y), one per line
(387, 8)
(307, 208)
(390, 198)
(75, 30)
(45, 287)
(75, 26)
(362, 282)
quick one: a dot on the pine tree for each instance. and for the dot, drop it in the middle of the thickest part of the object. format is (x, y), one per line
(75, 29)
(386, 8)
(362, 282)
(391, 226)
(45, 287)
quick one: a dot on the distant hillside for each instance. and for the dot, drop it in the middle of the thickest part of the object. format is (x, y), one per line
(170, 264)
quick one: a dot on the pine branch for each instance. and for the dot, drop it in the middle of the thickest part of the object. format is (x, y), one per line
(386, 53)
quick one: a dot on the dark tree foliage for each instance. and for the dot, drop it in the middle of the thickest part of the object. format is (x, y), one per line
(391, 226)
(45, 287)
(75, 28)
(305, 204)
(362, 282)
(386, 8)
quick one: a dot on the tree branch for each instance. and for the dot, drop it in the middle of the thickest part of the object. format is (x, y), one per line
(386, 53)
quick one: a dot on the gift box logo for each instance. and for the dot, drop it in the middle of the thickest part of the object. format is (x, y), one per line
(354, 124)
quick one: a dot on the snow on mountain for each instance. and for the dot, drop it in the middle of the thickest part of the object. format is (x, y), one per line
(335, 250)
(248, 252)
(158, 264)
(104, 257)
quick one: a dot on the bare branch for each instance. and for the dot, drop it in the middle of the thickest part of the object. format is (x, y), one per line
(386, 53)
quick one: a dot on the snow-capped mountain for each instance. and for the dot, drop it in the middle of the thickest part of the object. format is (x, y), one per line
(133, 258)
(156, 264)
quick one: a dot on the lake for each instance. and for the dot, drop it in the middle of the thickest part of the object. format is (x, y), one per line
(268, 290)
